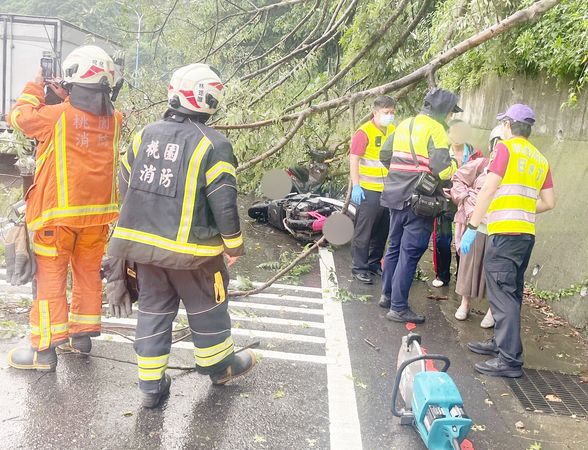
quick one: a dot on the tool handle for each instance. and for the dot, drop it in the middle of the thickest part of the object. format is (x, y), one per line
(403, 366)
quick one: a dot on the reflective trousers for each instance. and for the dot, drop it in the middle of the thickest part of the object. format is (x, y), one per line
(408, 240)
(203, 293)
(370, 233)
(56, 248)
(505, 260)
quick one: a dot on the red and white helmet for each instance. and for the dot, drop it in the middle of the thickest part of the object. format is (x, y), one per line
(88, 65)
(195, 88)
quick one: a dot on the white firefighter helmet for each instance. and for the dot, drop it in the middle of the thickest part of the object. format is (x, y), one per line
(88, 64)
(195, 88)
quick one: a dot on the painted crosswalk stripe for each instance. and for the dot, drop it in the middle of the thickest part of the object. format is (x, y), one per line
(270, 354)
(236, 332)
(294, 298)
(286, 287)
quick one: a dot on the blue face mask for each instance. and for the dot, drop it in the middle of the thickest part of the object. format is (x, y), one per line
(386, 120)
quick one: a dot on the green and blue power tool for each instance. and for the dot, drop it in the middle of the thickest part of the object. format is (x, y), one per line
(433, 404)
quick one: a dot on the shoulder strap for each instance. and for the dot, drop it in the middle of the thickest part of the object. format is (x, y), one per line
(414, 157)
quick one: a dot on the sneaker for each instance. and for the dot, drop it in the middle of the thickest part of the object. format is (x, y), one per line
(363, 277)
(27, 358)
(407, 315)
(462, 313)
(484, 347)
(497, 368)
(242, 363)
(153, 399)
(488, 320)
(437, 283)
(385, 302)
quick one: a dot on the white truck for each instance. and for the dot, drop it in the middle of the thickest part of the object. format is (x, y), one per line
(27, 39)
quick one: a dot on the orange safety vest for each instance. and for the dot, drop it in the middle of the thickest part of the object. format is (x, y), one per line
(514, 206)
(76, 162)
(371, 171)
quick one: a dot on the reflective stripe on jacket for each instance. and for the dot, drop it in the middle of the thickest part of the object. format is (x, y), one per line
(180, 196)
(371, 171)
(514, 205)
(76, 160)
(431, 147)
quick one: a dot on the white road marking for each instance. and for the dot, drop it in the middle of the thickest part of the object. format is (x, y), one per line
(294, 298)
(270, 354)
(262, 319)
(286, 287)
(344, 428)
(236, 331)
(267, 307)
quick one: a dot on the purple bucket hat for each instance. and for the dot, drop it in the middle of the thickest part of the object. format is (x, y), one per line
(519, 113)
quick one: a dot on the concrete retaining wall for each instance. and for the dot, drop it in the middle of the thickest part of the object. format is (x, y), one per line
(561, 249)
(545, 96)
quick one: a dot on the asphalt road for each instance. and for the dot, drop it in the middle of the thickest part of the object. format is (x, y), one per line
(318, 384)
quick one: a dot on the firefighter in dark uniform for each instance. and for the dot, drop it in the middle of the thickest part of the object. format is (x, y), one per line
(418, 146)
(178, 217)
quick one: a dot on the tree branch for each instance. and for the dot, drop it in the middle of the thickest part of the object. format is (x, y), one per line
(532, 13)
(327, 35)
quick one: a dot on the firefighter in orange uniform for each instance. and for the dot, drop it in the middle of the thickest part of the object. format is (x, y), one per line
(70, 204)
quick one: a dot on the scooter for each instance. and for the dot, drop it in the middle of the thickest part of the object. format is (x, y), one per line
(301, 215)
(432, 402)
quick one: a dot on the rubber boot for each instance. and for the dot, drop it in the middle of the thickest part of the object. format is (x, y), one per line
(27, 358)
(77, 344)
(242, 363)
(152, 399)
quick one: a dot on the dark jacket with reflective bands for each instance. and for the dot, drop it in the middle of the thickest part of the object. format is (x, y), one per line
(431, 147)
(180, 196)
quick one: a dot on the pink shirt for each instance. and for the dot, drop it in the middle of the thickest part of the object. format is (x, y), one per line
(359, 143)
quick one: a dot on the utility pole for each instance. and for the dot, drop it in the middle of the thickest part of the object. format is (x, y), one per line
(138, 39)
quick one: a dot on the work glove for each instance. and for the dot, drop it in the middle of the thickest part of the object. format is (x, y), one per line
(467, 240)
(24, 260)
(117, 294)
(357, 195)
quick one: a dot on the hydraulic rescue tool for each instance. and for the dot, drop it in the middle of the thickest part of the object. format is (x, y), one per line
(433, 404)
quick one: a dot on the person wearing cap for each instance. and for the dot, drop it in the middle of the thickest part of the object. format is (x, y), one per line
(418, 145)
(367, 175)
(518, 186)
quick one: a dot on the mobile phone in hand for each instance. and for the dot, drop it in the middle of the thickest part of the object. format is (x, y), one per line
(47, 68)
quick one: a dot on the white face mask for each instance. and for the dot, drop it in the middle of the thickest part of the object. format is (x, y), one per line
(386, 119)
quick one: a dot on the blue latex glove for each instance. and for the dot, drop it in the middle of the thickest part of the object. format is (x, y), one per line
(467, 240)
(357, 195)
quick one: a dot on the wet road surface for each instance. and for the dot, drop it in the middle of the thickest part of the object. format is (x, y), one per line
(318, 385)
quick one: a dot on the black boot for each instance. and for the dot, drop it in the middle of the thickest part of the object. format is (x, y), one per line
(242, 363)
(152, 399)
(407, 315)
(27, 358)
(77, 344)
(484, 347)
